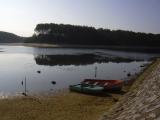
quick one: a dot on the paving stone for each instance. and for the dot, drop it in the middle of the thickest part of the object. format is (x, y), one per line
(142, 103)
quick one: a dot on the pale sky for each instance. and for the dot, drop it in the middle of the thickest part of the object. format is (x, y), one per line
(22, 16)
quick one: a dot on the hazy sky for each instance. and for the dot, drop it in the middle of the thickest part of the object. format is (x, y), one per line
(21, 16)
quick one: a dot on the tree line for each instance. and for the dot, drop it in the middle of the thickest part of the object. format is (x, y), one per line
(6, 37)
(83, 35)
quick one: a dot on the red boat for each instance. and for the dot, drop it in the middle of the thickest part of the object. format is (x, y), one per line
(106, 84)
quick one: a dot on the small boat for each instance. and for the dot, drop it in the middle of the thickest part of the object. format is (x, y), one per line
(112, 85)
(86, 88)
(95, 86)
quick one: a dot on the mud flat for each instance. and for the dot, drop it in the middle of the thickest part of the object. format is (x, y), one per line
(142, 102)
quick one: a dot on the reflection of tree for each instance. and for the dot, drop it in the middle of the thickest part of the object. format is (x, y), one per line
(84, 59)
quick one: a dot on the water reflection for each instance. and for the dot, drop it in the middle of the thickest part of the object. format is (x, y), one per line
(82, 59)
(56, 68)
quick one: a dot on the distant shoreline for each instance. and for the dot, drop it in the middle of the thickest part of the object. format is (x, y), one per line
(120, 48)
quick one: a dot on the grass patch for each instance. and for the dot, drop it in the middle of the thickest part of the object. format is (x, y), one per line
(65, 106)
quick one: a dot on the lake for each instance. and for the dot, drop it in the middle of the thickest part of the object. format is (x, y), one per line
(65, 66)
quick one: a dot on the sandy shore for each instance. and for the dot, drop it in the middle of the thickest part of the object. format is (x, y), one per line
(63, 106)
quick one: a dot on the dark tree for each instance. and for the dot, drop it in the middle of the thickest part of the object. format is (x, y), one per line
(84, 35)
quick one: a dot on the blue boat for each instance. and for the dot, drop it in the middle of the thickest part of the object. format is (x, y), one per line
(89, 89)
(95, 86)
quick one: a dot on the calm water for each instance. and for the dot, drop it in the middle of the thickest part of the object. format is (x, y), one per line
(64, 65)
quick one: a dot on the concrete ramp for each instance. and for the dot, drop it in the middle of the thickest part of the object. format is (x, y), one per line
(142, 102)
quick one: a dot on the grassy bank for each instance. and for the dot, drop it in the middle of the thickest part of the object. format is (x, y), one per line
(64, 106)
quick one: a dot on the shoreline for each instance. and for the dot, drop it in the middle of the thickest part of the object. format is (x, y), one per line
(118, 48)
(62, 106)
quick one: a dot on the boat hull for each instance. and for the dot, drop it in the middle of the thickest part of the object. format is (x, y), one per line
(108, 85)
(88, 89)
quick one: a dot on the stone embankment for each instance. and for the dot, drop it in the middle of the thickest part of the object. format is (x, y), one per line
(142, 102)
